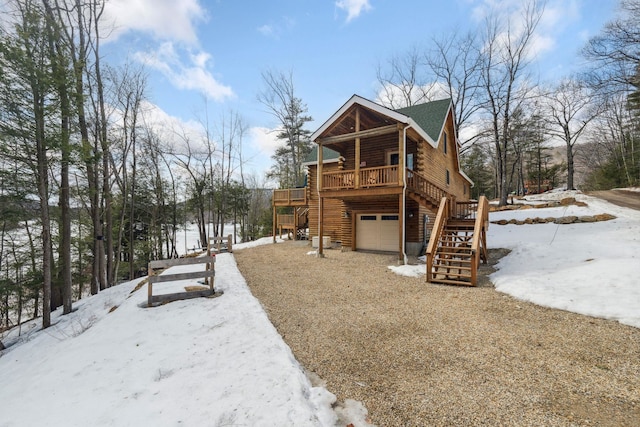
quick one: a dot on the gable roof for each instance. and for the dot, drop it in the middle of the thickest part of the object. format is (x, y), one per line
(430, 116)
(328, 156)
(426, 119)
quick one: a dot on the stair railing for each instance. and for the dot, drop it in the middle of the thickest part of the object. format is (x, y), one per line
(438, 227)
(479, 243)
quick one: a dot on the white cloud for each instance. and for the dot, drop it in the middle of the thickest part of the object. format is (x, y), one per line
(261, 144)
(266, 30)
(187, 71)
(264, 140)
(164, 19)
(353, 7)
(277, 29)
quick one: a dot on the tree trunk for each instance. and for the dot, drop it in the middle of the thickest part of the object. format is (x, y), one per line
(43, 192)
(570, 167)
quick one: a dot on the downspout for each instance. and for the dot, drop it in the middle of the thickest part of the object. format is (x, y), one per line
(404, 196)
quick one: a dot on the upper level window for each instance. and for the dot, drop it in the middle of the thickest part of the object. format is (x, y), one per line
(393, 158)
(448, 177)
(444, 142)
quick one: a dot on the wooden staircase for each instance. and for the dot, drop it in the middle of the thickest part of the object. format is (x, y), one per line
(458, 242)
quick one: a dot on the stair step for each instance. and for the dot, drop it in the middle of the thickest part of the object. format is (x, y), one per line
(448, 250)
(461, 263)
(462, 222)
(451, 282)
(457, 269)
(443, 266)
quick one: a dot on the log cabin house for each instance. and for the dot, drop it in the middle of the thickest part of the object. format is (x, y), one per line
(390, 180)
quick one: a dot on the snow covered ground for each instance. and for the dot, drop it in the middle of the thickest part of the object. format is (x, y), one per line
(586, 268)
(199, 362)
(220, 362)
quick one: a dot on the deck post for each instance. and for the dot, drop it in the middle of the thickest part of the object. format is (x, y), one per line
(401, 229)
(401, 155)
(356, 178)
(275, 223)
(320, 227)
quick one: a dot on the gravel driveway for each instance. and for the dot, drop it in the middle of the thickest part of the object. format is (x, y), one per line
(419, 354)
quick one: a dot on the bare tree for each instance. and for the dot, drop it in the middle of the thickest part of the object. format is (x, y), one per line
(455, 61)
(403, 82)
(231, 130)
(571, 107)
(450, 68)
(194, 161)
(504, 62)
(129, 93)
(615, 74)
(614, 52)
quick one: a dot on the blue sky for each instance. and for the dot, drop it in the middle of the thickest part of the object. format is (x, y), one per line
(218, 49)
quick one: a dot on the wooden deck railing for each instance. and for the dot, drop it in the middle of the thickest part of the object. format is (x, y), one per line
(466, 210)
(338, 180)
(285, 220)
(438, 227)
(369, 177)
(379, 177)
(290, 196)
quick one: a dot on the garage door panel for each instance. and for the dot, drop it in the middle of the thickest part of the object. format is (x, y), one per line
(377, 232)
(389, 240)
(367, 230)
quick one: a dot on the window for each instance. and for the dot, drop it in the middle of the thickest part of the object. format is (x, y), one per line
(444, 142)
(393, 158)
(448, 178)
(389, 217)
(368, 218)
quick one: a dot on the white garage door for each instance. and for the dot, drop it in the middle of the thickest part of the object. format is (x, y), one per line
(377, 232)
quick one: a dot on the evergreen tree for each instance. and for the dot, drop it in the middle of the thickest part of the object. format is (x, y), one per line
(291, 112)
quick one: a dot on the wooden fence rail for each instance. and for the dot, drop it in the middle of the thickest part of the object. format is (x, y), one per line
(220, 244)
(208, 274)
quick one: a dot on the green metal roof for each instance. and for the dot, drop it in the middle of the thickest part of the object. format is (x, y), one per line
(327, 155)
(430, 116)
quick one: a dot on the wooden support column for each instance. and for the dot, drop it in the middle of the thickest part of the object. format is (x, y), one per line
(320, 161)
(275, 225)
(400, 228)
(401, 155)
(320, 227)
(356, 179)
(401, 199)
